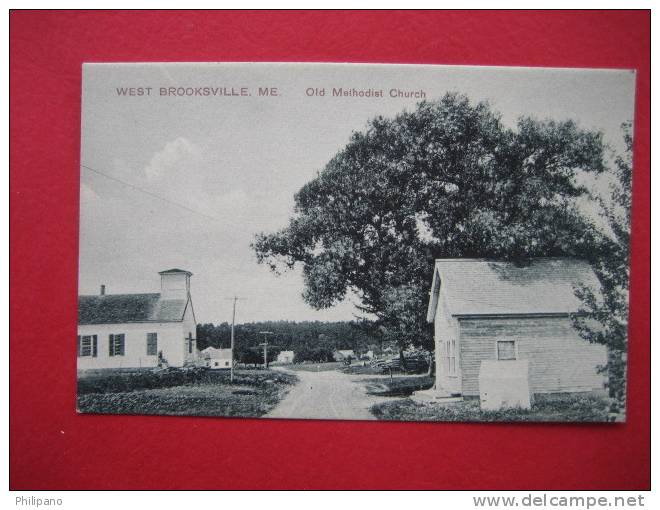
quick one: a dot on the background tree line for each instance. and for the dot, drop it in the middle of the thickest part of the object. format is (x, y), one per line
(310, 340)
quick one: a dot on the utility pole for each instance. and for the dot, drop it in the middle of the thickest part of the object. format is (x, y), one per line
(265, 345)
(233, 321)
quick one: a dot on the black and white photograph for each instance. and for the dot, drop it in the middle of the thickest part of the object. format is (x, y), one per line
(354, 242)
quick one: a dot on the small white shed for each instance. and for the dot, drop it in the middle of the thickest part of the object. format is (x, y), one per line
(217, 359)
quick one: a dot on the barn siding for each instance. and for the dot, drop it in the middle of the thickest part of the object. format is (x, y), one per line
(445, 328)
(559, 360)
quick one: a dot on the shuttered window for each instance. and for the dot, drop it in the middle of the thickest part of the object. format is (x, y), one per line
(450, 356)
(506, 350)
(87, 346)
(152, 344)
(116, 345)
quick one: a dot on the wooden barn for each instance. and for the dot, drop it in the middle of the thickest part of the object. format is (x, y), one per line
(493, 310)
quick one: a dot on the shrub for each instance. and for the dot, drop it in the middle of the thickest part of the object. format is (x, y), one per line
(122, 382)
(118, 382)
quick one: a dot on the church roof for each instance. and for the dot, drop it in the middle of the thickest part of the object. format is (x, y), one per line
(122, 308)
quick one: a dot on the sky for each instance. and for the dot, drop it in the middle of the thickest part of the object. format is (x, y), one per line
(187, 181)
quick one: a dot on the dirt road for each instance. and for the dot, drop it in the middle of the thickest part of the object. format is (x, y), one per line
(329, 395)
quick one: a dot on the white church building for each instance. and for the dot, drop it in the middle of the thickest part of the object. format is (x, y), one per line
(138, 330)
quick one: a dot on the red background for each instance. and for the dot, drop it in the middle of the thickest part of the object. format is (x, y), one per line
(54, 448)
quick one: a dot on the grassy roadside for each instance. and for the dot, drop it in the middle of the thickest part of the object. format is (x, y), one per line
(358, 369)
(252, 394)
(555, 408)
(398, 386)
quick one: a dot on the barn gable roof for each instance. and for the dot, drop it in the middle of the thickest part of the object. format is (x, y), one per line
(492, 287)
(121, 308)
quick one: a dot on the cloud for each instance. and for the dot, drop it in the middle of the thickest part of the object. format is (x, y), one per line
(187, 173)
(178, 154)
(179, 173)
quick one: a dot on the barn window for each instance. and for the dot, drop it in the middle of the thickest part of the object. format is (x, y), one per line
(116, 345)
(506, 350)
(87, 346)
(190, 343)
(152, 344)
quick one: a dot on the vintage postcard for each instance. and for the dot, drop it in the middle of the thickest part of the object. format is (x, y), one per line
(354, 242)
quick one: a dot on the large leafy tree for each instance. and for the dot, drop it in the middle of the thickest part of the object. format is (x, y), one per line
(603, 318)
(448, 179)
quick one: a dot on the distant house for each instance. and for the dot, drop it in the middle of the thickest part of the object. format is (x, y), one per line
(216, 358)
(285, 357)
(493, 310)
(138, 330)
(341, 355)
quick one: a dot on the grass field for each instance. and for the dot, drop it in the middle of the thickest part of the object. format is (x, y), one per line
(555, 408)
(252, 394)
(315, 367)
